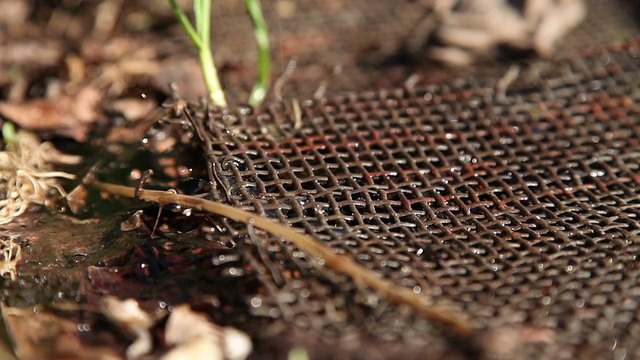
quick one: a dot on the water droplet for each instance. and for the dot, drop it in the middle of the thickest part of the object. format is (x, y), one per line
(245, 110)
(274, 313)
(256, 302)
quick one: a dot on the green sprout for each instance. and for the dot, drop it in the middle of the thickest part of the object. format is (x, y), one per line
(201, 37)
(298, 353)
(9, 133)
(259, 91)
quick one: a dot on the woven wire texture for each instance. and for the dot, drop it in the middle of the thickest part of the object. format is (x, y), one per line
(519, 210)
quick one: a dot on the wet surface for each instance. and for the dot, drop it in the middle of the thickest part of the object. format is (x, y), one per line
(518, 210)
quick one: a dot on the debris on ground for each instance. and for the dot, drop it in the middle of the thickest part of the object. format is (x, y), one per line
(27, 174)
(469, 30)
(70, 115)
(134, 321)
(193, 336)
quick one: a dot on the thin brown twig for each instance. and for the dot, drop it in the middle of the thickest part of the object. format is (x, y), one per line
(444, 317)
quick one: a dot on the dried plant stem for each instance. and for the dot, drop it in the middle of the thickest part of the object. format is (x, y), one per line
(444, 317)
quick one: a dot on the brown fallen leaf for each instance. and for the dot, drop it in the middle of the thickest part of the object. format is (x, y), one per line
(503, 342)
(133, 109)
(63, 114)
(39, 334)
(14, 12)
(193, 336)
(127, 315)
(41, 53)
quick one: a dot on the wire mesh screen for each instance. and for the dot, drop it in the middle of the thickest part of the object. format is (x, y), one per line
(519, 209)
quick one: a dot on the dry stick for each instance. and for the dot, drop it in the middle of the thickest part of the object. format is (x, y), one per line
(445, 317)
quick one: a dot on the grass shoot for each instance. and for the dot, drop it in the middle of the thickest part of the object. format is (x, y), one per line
(201, 37)
(260, 89)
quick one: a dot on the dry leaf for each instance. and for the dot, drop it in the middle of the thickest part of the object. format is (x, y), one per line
(67, 115)
(195, 338)
(133, 320)
(133, 109)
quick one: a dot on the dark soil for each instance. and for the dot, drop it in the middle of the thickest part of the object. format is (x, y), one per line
(99, 90)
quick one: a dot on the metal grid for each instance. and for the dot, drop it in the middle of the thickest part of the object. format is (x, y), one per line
(522, 211)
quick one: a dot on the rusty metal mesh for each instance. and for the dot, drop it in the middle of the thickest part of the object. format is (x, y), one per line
(515, 205)
(519, 209)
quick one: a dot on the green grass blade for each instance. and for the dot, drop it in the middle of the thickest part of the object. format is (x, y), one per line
(202, 9)
(260, 89)
(186, 24)
(201, 37)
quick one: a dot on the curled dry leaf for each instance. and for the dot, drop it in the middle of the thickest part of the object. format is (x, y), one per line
(39, 334)
(473, 29)
(138, 113)
(39, 53)
(504, 341)
(128, 315)
(67, 115)
(13, 13)
(554, 24)
(133, 109)
(195, 337)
